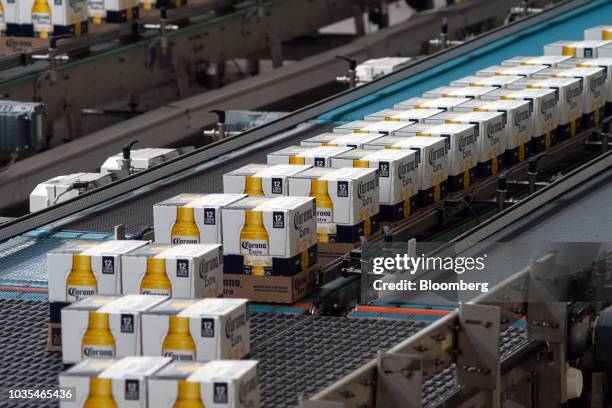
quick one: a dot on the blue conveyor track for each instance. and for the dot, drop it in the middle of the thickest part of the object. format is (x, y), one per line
(569, 26)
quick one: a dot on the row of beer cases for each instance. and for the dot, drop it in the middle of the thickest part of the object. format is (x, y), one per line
(42, 18)
(159, 382)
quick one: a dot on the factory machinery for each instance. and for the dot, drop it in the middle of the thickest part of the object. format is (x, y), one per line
(343, 346)
(136, 81)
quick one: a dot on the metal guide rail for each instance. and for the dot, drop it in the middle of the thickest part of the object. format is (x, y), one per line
(451, 340)
(208, 159)
(298, 354)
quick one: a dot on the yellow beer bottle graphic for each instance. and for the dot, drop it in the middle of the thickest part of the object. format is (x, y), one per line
(297, 160)
(188, 395)
(155, 281)
(254, 243)
(361, 163)
(98, 341)
(252, 186)
(81, 281)
(185, 230)
(325, 208)
(2, 20)
(178, 343)
(41, 18)
(100, 394)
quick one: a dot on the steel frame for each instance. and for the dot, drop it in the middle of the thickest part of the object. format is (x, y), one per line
(442, 343)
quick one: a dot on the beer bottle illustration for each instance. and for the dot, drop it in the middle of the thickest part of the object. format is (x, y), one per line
(155, 281)
(185, 230)
(188, 395)
(100, 394)
(178, 343)
(325, 208)
(361, 163)
(252, 186)
(98, 341)
(81, 281)
(254, 242)
(2, 19)
(41, 18)
(297, 160)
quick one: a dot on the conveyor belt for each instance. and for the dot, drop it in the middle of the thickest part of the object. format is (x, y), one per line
(298, 354)
(136, 213)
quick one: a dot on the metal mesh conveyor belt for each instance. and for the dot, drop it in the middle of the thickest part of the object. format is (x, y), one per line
(298, 354)
(305, 358)
(439, 388)
(23, 261)
(25, 362)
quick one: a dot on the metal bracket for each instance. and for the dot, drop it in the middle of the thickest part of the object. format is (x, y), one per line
(399, 380)
(546, 317)
(478, 349)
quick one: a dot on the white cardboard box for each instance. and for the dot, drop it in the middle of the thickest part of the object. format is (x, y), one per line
(496, 81)
(123, 381)
(354, 140)
(231, 384)
(411, 115)
(569, 96)
(384, 127)
(601, 32)
(445, 104)
(492, 136)
(164, 385)
(270, 236)
(197, 330)
(519, 122)
(100, 261)
(66, 13)
(593, 87)
(604, 63)
(519, 70)
(199, 218)
(463, 150)
(548, 60)
(398, 178)
(269, 180)
(545, 111)
(580, 49)
(472, 92)
(433, 162)
(186, 271)
(317, 156)
(346, 200)
(104, 327)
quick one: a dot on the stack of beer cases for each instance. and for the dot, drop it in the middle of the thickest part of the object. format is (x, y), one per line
(160, 382)
(120, 343)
